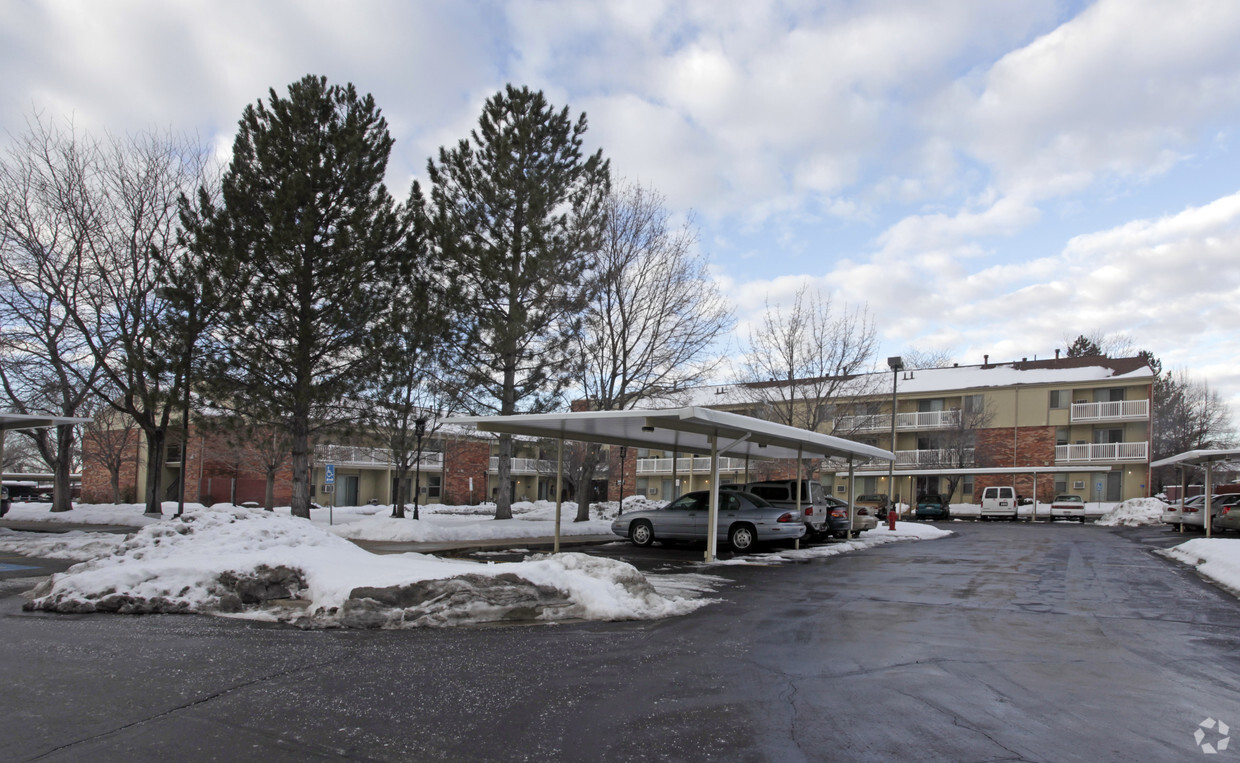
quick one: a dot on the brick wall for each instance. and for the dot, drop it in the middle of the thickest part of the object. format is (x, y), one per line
(463, 459)
(1022, 447)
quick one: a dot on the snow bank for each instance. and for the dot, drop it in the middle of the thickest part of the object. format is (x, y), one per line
(75, 544)
(1215, 558)
(864, 540)
(1134, 512)
(269, 566)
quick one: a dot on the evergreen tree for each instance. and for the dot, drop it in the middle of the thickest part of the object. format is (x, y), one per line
(517, 214)
(1083, 347)
(304, 205)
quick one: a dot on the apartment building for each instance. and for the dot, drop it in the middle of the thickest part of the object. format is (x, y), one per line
(1048, 414)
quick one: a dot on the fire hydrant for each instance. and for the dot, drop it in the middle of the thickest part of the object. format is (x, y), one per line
(891, 518)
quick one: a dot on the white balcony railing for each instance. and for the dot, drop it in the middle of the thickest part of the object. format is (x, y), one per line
(1120, 410)
(913, 420)
(525, 465)
(687, 464)
(357, 455)
(1104, 451)
(930, 458)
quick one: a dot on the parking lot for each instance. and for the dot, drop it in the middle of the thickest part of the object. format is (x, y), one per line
(1005, 641)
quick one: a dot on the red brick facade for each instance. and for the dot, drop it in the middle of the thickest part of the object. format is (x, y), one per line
(462, 460)
(1026, 446)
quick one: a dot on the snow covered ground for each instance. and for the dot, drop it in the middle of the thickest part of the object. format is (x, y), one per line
(255, 564)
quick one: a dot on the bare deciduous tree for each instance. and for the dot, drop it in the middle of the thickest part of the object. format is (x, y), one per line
(802, 358)
(654, 320)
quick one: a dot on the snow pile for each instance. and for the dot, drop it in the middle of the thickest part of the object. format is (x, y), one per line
(1134, 512)
(863, 541)
(75, 544)
(1215, 558)
(269, 566)
(123, 514)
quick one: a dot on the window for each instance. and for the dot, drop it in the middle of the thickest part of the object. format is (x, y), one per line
(930, 406)
(1061, 484)
(1060, 398)
(967, 484)
(841, 489)
(1061, 436)
(434, 485)
(173, 453)
(974, 403)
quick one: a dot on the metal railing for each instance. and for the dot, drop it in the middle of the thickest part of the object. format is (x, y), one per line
(358, 455)
(687, 465)
(1113, 411)
(911, 420)
(1102, 451)
(525, 465)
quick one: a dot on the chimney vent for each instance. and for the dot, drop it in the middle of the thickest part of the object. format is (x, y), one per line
(1056, 353)
(985, 360)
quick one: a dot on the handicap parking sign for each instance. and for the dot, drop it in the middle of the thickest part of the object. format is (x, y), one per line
(329, 474)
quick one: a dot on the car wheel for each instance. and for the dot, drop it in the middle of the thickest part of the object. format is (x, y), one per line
(742, 538)
(641, 533)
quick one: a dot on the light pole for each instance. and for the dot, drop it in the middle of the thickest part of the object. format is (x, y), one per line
(419, 429)
(896, 364)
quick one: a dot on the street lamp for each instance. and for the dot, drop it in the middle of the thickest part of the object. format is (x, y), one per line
(896, 364)
(419, 430)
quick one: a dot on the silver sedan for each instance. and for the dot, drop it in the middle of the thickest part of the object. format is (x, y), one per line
(744, 520)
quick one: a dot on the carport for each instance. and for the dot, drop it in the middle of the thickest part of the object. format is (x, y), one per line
(693, 430)
(1199, 458)
(1034, 470)
(24, 421)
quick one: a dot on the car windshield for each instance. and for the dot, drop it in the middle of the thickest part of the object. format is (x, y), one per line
(871, 498)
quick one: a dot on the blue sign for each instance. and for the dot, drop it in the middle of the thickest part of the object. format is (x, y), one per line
(329, 474)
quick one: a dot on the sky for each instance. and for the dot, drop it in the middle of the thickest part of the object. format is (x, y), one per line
(984, 178)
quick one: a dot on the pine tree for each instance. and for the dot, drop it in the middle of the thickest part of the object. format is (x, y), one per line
(517, 214)
(304, 205)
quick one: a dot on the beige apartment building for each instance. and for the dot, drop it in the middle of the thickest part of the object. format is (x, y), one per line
(1052, 414)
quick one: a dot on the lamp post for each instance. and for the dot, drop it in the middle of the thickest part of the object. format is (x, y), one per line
(419, 430)
(624, 451)
(896, 364)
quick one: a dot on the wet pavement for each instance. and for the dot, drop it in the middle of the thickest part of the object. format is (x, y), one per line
(1004, 642)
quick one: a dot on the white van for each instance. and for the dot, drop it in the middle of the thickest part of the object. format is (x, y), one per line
(999, 502)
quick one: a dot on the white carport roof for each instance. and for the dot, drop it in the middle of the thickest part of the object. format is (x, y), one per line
(931, 472)
(24, 421)
(1197, 457)
(684, 430)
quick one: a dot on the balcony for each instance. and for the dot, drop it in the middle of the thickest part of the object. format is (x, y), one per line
(687, 464)
(881, 422)
(1101, 452)
(924, 459)
(1120, 410)
(525, 466)
(361, 456)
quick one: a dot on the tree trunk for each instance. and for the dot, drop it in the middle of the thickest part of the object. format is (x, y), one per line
(585, 482)
(116, 485)
(503, 501)
(398, 503)
(269, 495)
(155, 440)
(301, 477)
(62, 497)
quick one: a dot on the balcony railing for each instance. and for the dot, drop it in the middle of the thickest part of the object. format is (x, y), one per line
(1119, 410)
(914, 420)
(525, 465)
(358, 455)
(944, 458)
(687, 464)
(1104, 451)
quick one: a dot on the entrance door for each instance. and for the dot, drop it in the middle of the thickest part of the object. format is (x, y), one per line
(1115, 486)
(346, 487)
(667, 490)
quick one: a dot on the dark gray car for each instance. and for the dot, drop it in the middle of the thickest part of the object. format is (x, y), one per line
(744, 520)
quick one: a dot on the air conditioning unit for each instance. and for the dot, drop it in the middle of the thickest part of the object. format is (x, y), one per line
(652, 491)
(1078, 484)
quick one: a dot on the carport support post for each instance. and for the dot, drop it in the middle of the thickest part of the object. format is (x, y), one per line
(1209, 502)
(675, 480)
(852, 516)
(1183, 490)
(712, 521)
(559, 491)
(799, 514)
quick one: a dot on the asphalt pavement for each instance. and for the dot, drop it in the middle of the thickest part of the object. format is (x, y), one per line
(1003, 642)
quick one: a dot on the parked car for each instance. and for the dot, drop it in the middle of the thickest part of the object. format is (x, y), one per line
(875, 505)
(862, 519)
(1173, 515)
(1193, 515)
(1068, 506)
(1228, 508)
(933, 506)
(821, 521)
(744, 521)
(999, 502)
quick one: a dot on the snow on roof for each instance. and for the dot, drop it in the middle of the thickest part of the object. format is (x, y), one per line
(1073, 371)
